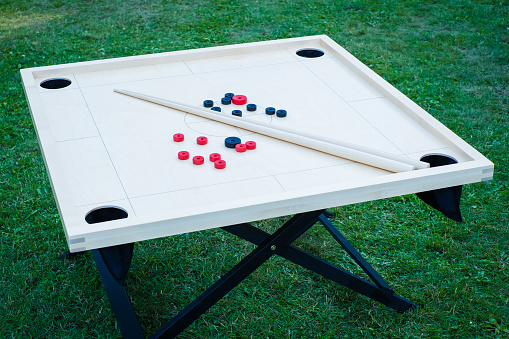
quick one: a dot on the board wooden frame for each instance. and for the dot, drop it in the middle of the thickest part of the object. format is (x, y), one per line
(475, 168)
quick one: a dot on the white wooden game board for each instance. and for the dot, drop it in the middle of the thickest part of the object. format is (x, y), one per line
(103, 149)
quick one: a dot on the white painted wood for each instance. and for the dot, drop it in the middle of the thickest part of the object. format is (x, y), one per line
(237, 61)
(130, 160)
(68, 115)
(118, 75)
(404, 132)
(341, 79)
(91, 175)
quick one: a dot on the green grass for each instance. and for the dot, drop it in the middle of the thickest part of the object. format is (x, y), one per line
(450, 57)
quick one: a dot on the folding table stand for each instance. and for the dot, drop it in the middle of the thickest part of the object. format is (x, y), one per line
(113, 264)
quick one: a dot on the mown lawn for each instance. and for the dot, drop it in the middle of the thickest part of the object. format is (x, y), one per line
(450, 57)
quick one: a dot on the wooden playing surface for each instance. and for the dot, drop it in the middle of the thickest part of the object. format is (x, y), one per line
(105, 149)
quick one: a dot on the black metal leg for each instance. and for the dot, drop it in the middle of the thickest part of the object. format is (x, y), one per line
(290, 231)
(370, 271)
(113, 264)
(385, 296)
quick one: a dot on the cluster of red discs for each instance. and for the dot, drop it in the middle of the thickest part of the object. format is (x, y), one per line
(199, 160)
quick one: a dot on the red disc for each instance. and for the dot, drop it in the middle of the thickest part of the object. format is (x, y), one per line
(202, 140)
(184, 155)
(214, 157)
(219, 164)
(250, 144)
(198, 160)
(239, 99)
(178, 137)
(240, 148)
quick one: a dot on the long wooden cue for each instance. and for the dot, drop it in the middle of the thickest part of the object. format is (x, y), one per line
(361, 154)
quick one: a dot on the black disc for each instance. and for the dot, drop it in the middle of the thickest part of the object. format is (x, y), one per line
(230, 142)
(281, 113)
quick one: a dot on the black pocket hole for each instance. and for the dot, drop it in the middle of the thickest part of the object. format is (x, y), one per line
(56, 83)
(103, 214)
(435, 160)
(310, 53)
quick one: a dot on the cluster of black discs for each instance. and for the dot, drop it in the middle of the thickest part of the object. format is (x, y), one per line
(230, 98)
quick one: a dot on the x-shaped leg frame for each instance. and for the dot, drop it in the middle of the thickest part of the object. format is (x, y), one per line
(113, 264)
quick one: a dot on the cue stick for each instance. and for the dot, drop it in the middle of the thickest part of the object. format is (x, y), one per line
(361, 154)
